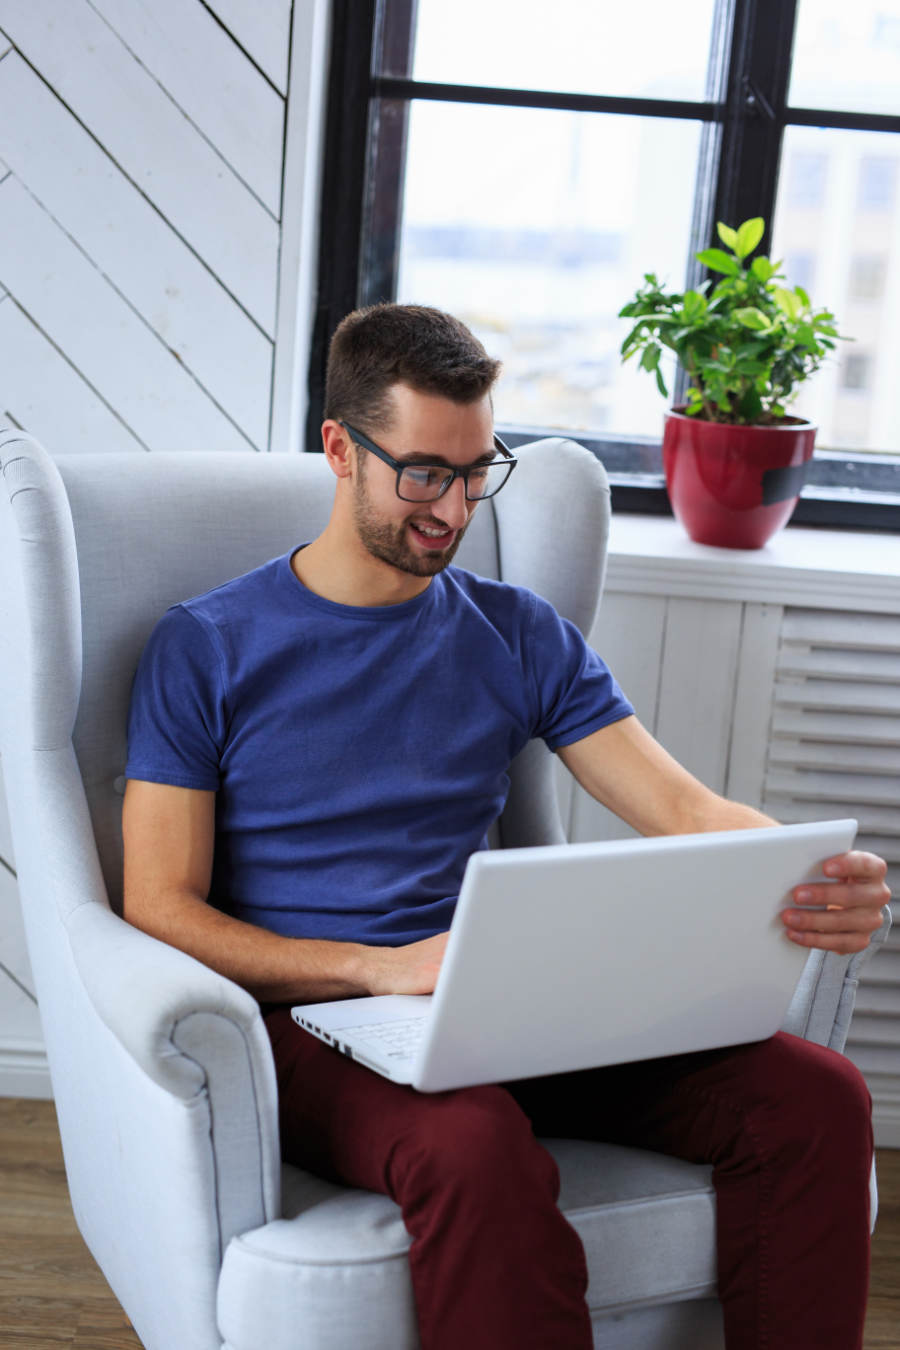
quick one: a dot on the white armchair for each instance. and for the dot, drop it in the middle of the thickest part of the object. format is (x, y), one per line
(161, 1068)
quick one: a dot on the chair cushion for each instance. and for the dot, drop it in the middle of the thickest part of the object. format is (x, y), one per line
(337, 1260)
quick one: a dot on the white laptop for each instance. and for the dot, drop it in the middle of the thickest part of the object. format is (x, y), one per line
(572, 956)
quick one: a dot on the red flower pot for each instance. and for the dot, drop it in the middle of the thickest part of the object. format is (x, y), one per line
(734, 486)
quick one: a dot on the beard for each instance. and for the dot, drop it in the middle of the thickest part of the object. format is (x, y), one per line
(390, 543)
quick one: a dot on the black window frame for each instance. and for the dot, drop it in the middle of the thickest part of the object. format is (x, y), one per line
(745, 115)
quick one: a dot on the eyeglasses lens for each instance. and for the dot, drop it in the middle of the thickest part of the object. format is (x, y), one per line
(426, 483)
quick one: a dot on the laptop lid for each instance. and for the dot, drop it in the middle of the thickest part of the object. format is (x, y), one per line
(573, 956)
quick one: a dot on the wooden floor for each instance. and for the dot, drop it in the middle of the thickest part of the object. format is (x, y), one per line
(52, 1294)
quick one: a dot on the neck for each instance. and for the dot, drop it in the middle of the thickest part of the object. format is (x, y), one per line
(342, 570)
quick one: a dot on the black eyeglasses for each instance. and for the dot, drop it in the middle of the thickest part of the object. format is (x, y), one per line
(426, 482)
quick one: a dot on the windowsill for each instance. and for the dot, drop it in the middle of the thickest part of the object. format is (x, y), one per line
(822, 568)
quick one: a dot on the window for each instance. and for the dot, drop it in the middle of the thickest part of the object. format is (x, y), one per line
(855, 371)
(867, 276)
(523, 165)
(806, 178)
(800, 266)
(877, 182)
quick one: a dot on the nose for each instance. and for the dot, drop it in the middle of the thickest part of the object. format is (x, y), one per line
(452, 508)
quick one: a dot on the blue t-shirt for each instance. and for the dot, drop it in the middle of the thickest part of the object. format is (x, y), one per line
(358, 754)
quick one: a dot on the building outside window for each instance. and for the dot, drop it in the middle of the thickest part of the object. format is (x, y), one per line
(868, 272)
(877, 182)
(523, 168)
(856, 370)
(807, 178)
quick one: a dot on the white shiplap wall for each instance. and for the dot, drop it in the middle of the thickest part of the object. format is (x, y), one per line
(159, 172)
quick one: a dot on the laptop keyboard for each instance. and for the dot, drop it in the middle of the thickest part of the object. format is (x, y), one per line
(396, 1040)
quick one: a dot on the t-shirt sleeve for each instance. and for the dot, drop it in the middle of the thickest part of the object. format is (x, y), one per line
(575, 691)
(177, 718)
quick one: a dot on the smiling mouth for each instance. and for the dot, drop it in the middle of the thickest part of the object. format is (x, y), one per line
(433, 536)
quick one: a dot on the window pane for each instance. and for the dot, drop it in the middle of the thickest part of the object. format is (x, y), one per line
(653, 50)
(847, 56)
(847, 241)
(535, 227)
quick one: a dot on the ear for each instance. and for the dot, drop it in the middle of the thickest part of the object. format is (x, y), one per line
(339, 449)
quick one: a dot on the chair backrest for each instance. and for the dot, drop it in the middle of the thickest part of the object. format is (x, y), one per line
(146, 531)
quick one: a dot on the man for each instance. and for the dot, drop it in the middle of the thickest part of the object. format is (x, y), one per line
(316, 748)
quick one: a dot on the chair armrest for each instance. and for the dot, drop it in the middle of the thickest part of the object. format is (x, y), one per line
(823, 1003)
(144, 989)
(192, 1032)
(192, 1036)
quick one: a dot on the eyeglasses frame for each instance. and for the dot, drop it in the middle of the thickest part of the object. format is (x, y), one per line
(398, 465)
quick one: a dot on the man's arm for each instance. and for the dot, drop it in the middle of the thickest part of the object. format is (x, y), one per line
(169, 834)
(625, 769)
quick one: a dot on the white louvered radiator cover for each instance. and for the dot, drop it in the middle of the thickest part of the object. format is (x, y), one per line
(834, 749)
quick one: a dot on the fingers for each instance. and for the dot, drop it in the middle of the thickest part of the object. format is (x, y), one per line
(837, 930)
(856, 864)
(850, 904)
(857, 881)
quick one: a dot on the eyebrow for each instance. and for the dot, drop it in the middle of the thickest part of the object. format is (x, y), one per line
(421, 457)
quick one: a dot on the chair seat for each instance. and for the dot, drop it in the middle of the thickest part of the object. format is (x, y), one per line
(337, 1261)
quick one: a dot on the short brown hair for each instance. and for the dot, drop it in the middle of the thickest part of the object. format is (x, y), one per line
(382, 345)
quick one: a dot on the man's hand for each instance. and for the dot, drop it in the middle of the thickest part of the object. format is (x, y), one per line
(853, 901)
(412, 969)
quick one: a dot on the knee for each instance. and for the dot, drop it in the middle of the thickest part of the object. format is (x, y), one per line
(825, 1106)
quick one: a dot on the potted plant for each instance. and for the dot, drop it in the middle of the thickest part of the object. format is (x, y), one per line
(734, 459)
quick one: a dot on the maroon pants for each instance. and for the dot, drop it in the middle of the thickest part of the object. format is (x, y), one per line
(496, 1266)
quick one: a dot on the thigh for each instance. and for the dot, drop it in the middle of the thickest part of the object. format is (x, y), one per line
(690, 1106)
(345, 1122)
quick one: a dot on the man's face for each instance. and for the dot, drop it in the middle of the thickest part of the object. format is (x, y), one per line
(420, 538)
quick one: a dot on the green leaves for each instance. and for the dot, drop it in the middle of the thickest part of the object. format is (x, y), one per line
(745, 341)
(728, 236)
(650, 361)
(742, 240)
(694, 307)
(751, 317)
(789, 302)
(749, 235)
(718, 261)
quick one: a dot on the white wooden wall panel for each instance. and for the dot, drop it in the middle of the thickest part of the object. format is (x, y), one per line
(760, 629)
(13, 954)
(629, 634)
(804, 704)
(262, 28)
(814, 755)
(23, 1062)
(835, 750)
(298, 286)
(100, 333)
(75, 418)
(851, 728)
(153, 143)
(806, 632)
(853, 664)
(6, 845)
(134, 248)
(696, 697)
(852, 696)
(23, 1065)
(207, 76)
